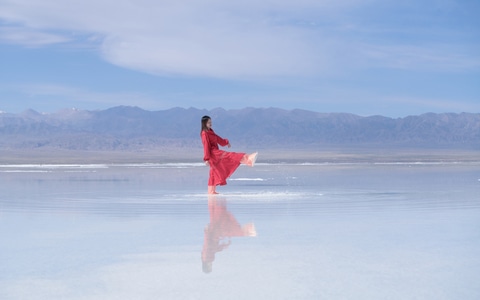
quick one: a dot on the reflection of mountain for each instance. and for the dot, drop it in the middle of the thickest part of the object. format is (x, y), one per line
(132, 128)
(221, 228)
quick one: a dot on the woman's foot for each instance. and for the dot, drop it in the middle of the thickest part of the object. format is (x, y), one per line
(211, 190)
(249, 229)
(252, 158)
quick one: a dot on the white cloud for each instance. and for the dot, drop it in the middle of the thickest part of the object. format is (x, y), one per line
(227, 39)
(433, 104)
(67, 96)
(438, 58)
(29, 37)
(205, 38)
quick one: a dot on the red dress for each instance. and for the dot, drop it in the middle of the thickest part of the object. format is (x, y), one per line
(222, 163)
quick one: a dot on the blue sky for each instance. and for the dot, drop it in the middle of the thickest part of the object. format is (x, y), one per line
(367, 57)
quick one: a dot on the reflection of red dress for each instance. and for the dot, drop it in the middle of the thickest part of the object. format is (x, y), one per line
(222, 163)
(222, 226)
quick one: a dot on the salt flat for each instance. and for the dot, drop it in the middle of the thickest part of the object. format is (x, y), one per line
(323, 229)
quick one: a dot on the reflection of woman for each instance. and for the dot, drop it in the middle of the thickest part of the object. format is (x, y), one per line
(222, 226)
(222, 163)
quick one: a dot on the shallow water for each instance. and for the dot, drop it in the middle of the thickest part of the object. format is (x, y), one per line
(277, 231)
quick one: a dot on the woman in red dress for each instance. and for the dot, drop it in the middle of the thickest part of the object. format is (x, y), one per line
(222, 163)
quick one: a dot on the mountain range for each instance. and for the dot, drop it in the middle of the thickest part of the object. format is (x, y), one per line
(132, 128)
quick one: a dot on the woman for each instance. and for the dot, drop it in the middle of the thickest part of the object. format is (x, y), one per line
(222, 163)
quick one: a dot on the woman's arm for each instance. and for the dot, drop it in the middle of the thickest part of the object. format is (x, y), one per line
(222, 142)
(206, 147)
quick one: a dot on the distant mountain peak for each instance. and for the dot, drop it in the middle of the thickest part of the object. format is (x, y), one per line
(131, 127)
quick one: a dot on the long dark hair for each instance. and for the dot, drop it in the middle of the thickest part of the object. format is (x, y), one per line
(204, 123)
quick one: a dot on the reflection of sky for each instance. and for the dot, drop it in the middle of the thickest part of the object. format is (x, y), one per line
(333, 242)
(400, 256)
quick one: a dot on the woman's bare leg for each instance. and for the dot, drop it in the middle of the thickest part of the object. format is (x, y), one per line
(244, 159)
(211, 189)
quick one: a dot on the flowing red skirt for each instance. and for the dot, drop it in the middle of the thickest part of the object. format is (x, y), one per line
(222, 165)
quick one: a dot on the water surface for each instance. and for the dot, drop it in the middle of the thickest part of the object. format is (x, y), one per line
(277, 231)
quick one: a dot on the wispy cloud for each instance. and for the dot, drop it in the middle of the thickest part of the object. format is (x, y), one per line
(29, 37)
(434, 104)
(222, 39)
(45, 95)
(438, 58)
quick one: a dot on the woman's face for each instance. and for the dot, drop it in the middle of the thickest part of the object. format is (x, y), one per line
(209, 124)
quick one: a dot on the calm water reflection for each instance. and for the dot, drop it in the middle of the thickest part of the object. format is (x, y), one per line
(277, 232)
(218, 233)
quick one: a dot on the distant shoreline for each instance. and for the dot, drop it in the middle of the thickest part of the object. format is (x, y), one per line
(168, 155)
